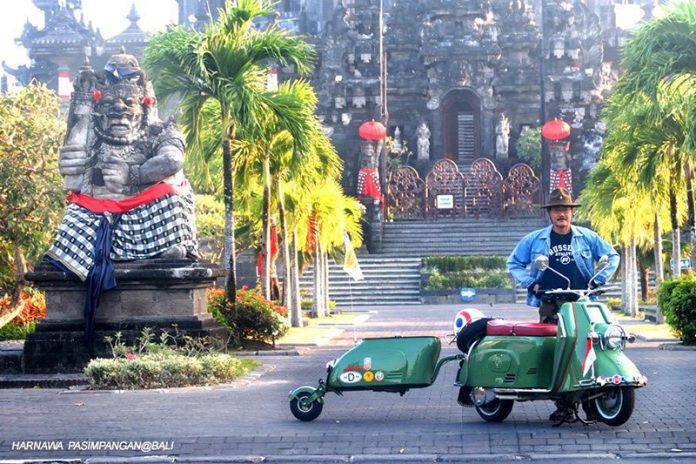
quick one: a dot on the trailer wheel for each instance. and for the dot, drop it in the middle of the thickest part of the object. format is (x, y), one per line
(305, 412)
(495, 411)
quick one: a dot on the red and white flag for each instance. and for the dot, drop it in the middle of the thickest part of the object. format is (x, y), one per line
(590, 356)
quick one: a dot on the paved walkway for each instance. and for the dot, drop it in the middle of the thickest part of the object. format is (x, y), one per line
(250, 421)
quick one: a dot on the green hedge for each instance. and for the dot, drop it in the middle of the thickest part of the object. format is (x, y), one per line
(457, 280)
(447, 264)
(677, 301)
(165, 370)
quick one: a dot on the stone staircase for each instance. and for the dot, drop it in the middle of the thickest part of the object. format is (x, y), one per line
(466, 238)
(393, 277)
(388, 280)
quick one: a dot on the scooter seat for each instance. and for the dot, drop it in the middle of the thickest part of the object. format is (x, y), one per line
(496, 327)
(500, 328)
(534, 329)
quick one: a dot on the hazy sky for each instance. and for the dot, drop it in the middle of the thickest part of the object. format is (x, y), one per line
(108, 15)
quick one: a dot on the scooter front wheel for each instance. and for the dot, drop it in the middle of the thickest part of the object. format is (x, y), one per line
(615, 406)
(495, 411)
(303, 411)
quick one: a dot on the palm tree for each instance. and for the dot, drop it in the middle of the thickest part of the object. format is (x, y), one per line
(660, 64)
(334, 215)
(226, 64)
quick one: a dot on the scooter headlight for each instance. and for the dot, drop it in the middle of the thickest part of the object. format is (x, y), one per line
(615, 337)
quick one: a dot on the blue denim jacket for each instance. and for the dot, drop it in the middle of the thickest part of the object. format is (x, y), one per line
(587, 247)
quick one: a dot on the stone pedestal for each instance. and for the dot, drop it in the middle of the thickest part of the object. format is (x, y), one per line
(154, 293)
(374, 229)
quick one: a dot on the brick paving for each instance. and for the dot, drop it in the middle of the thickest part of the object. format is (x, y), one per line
(250, 421)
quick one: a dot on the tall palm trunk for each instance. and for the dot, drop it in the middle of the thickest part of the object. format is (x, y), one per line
(676, 236)
(286, 293)
(229, 255)
(657, 248)
(625, 281)
(632, 279)
(325, 286)
(266, 234)
(316, 297)
(688, 174)
(296, 299)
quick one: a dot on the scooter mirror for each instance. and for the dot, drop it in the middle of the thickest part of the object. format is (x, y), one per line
(541, 262)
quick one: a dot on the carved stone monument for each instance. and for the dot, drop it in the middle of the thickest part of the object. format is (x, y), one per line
(423, 134)
(502, 137)
(124, 256)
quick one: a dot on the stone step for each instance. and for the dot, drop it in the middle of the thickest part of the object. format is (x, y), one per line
(397, 291)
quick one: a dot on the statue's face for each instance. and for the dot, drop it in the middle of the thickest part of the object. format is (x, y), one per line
(121, 110)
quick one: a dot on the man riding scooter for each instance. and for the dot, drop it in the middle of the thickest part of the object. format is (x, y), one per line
(572, 252)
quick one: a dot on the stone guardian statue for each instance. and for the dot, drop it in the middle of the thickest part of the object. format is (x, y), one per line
(502, 137)
(423, 134)
(122, 166)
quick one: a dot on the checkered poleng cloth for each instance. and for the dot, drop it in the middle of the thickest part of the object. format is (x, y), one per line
(143, 232)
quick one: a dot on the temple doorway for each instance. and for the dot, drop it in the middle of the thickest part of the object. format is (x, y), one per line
(461, 114)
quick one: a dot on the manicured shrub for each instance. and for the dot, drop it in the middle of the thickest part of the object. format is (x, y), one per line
(457, 280)
(445, 264)
(677, 301)
(174, 361)
(252, 318)
(614, 303)
(165, 371)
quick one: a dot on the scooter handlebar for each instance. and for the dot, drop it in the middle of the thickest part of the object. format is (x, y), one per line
(569, 294)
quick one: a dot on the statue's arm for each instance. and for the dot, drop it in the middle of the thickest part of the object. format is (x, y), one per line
(167, 161)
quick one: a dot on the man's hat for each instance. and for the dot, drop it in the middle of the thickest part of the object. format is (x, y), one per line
(560, 197)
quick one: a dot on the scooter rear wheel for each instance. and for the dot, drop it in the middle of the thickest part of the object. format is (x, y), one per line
(615, 406)
(304, 412)
(495, 411)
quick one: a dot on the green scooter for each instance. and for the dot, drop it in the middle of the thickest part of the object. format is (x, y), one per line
(578, 361)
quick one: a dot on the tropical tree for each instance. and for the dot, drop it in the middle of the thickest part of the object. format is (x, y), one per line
(334, 216)
(225, 68)
(294, 178)
(660, 64)
(619, 208)
(529, 147)
(31, 189)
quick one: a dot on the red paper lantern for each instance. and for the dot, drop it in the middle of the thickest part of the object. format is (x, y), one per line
(372, 130)
(556, 129)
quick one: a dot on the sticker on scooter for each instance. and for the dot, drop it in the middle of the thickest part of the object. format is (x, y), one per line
(379, 376)
(350, 377)
(368, 376)
(352, 368)
(367, 364)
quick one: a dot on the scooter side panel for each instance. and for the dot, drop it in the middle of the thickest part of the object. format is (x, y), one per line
(608, 363)
(381, 363)
(511, 362)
